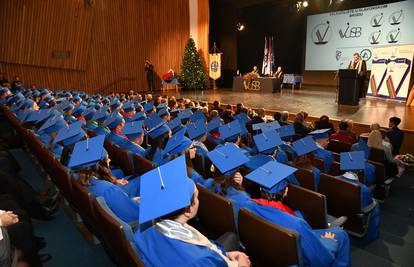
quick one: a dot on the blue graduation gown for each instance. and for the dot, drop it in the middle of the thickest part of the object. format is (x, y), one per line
(369, 174)
(158, 157)
(132, 147)
(100, 130)
(118, 201)
(366, 199)
(115, 138)
(326, 156)
(328, 251)
(158, 250)
(207, 183)
(91, 125)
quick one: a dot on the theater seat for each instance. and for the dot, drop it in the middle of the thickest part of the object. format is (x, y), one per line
(377, 155)
(141, 164)
(266, 243)
(134, 260)
(305, 178)
(338, 146)
(114, 232)
(215, 212)
(83, 204)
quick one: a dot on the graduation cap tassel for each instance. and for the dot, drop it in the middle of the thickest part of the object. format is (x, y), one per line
(303, 142)
(161, 180)
(350, 157)
(265, 137)
(87, 144)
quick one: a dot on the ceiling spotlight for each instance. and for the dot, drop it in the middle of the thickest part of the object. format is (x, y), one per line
(301, 4)
(240, 27)
(305, 3)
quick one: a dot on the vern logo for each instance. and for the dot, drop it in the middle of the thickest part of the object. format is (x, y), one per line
(394, 36)
(321, 33)
(375, 37)
(366, 54)
(350, 32)
(377, 20)
(396, 18)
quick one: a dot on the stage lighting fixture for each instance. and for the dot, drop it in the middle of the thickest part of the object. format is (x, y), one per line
(305, 3)
(301, 4)
(240, 27)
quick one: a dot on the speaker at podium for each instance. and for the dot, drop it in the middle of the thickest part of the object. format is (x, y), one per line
(348, 87)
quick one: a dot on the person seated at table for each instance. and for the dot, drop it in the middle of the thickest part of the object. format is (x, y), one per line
(343, 134)
(169, 76)
(170, 200)
(249, 77)
(279, 78)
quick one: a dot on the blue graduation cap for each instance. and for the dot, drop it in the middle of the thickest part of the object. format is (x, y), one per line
(163, 105)
(88, 152)
(320, 134)
(22, 115)
(230, 130)
(35, 115)
(53, 124)
(115, 104)
(185, 115)
(153, 121)
(287, 130)
(352, 160)
(113, 120)
(227, 157)
(267, 140)
(89, 113)
(164, 190)
(68, 131)
(242, 117)
(175, 125)
(198, 115)
(139, 116)
(163, 112)
(175, 112)
(101, 114)
(272, 176)
(214, 124)
(158, 130)
(177, 143)
(66, 105)
(128, 106)
(264, 127)
(133, 129)
(197, 129)
(79, 110)
(304, 145)
(148, 107)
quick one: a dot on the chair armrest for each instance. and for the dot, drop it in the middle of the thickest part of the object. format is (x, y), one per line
(336, 222)
(365, 211)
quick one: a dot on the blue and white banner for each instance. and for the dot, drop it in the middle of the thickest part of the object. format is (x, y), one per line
(333, 38)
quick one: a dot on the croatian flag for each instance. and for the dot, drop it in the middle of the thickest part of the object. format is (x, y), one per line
(265, 57)
(268, 58)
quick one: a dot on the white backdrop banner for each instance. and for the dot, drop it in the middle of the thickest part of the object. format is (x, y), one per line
(333, 38)
(391, 71)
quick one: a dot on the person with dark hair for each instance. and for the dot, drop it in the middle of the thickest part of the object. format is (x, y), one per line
(149, 70)
(343, 134)
(360, 65)
(301, 127)
(324, 123)
(395, 135)
(277, 116)
(216, 106)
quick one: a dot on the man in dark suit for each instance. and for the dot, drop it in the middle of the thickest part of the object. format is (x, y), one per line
(149, 69)
(279, 79)
(360, 65)
(395, 135)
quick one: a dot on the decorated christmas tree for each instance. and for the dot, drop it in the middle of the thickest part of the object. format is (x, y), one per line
(192, 74)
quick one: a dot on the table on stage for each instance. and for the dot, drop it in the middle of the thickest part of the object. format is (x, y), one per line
(293, 79)
(261, 84)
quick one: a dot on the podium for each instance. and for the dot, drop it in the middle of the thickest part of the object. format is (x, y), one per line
(348, 87)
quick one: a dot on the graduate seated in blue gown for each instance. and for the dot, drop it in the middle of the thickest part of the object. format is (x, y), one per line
(319, 247)
(135, 137)
(159, 135)
(115, 123)
(171, 241)
(351, 162)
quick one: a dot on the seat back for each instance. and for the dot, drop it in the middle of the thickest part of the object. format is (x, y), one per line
(343, 197)
(335, 168)
(310, 203)
(319, 164)
(141, 164)
(83, 202)
(338, 146)
(305, 178)
(123, 160)
(134, 259)
(215, 212)
(63, 180)
(112, 230)
(268, 243)
(377, 155)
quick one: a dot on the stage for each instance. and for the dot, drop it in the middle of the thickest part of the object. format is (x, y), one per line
(315, 101)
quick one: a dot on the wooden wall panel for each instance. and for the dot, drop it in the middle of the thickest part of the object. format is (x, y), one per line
(112, 37)
(203, 29)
